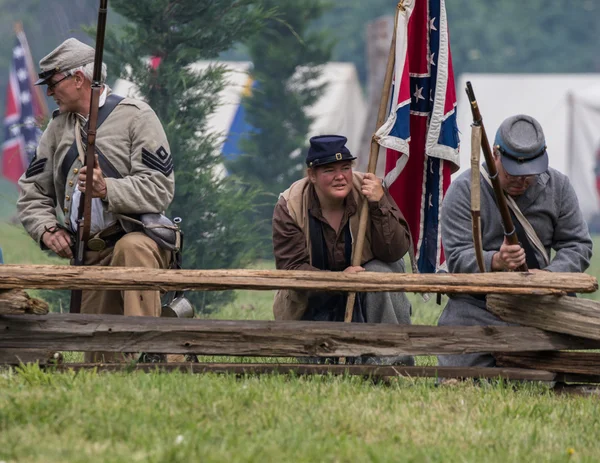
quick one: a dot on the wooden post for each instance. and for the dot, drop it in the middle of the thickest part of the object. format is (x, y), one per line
(379, 35)
(16, 301)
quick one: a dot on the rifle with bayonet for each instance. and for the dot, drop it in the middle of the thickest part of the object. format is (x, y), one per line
(510, 231)
(84, 216)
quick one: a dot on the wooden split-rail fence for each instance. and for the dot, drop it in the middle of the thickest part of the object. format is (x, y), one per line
(556, 340)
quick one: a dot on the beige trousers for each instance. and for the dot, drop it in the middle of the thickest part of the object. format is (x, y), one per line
(133, 250)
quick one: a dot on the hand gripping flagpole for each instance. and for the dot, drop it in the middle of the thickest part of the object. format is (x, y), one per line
(373, 155)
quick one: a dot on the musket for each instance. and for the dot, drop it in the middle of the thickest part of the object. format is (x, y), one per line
(476, 196)
(84, 215)
(510, 231)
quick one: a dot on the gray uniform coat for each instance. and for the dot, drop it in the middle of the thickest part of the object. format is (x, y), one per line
(132, 139)
(550, 205)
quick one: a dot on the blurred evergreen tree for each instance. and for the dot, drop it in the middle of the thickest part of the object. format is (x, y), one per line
(286, 56)
(214, 208)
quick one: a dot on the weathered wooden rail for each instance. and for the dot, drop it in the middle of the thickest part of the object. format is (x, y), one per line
(553, 322)
(582, 363)
(114, 333)
(568, 315)
(69, 277)
(354, 370)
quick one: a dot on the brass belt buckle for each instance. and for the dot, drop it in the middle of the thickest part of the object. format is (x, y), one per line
(96, 244)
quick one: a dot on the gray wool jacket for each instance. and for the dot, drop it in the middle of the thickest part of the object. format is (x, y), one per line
(551, 207)
(132, 139)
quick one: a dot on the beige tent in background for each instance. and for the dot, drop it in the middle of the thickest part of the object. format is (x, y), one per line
(566, 105)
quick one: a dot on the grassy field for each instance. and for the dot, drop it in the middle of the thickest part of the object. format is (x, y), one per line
(174, 417)
(8, 198)
(67, 417)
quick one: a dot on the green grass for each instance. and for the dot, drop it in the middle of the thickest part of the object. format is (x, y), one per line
(128, 417)
(19, 248)
(176, 417)
(8, 199)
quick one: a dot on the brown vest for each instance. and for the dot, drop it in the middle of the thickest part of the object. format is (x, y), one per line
(291, 304)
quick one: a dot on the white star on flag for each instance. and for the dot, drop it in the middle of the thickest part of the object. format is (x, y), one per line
(418, 94)
(15, 130)
(25, 97)
(21, 74)
(432, 25)
(18, 52)
(431, 59)
(29, 122)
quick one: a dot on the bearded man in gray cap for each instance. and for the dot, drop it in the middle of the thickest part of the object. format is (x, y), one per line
(545, 213)
(133, 175)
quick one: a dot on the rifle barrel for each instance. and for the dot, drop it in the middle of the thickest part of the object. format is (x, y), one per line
(509, 227)
(85, 205)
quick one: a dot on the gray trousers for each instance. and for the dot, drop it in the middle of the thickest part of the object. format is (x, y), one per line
(387, 307)
(467, 311)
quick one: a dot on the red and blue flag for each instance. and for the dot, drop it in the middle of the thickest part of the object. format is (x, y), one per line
(24, 108)
(421, 133)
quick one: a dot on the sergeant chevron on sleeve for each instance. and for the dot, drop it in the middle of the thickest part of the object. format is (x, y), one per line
(133, 175)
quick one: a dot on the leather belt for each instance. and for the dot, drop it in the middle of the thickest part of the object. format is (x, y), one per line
(100, 243)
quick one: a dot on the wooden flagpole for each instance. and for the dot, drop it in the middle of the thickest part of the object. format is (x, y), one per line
(373, 155)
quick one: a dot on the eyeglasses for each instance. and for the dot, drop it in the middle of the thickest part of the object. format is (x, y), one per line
(54, 84)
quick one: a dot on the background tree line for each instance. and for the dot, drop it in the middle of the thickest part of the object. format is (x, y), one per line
(506, 36)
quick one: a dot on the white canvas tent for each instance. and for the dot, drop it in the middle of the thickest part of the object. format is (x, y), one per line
(566, 105)
(340, 110)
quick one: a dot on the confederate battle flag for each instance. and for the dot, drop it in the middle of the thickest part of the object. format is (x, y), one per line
(421, 133)
(24, 108)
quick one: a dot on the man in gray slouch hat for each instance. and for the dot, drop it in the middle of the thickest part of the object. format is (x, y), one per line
(545, 212)
(133, 175)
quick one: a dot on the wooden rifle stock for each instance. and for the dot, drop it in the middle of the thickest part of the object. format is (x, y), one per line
(510, 231)
(84, 213)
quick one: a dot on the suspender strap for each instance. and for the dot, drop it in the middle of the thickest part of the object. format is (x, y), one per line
(106, 166)
(534, 246)
(348, 244)
(317, 244)
(111, 103)
(323, 306)
(530, 254)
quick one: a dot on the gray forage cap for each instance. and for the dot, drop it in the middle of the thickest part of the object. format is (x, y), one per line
(521, 142)
(68, 55)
